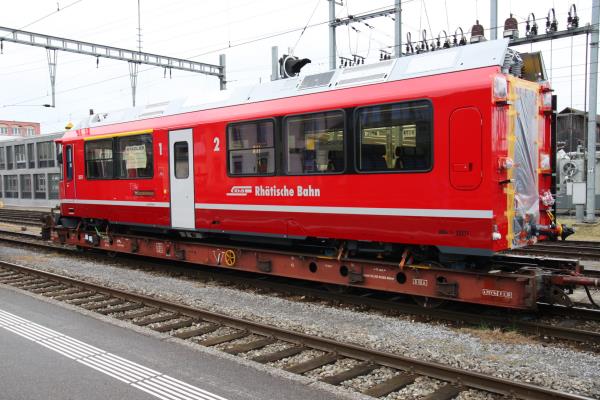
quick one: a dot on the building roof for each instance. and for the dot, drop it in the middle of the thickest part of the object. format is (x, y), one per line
(574, 111)
(22, 123)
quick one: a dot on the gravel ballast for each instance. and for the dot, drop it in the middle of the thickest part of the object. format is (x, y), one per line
(551, 365)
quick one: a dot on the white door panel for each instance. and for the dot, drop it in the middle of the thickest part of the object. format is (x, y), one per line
(181, 176)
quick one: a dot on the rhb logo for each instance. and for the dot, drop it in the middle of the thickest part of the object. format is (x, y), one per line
(240, 191)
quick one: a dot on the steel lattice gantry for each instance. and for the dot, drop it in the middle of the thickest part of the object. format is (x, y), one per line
(52, 44)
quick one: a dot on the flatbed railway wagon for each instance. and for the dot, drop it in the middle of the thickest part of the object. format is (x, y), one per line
(409, 175)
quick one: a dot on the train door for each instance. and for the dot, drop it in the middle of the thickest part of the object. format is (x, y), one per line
(68, 172)
(181, 153)
(465, 148)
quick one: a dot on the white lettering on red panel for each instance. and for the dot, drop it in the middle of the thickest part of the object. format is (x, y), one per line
(275, 191)
(497, 293)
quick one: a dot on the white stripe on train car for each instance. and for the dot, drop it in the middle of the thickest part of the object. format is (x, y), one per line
(117, 203)
(391, 212)
(394, 212)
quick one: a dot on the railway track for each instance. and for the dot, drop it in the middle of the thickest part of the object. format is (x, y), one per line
(586, 250)
(526, 322)
(238, 337)
(22, 217)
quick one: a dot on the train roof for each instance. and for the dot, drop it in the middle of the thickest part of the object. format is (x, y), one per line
(460, 58)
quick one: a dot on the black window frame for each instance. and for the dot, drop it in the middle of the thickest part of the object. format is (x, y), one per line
(187, 160)
(357, 139)
(284, 147)
(69, 164)
(86, 161)
(275, 146)
(116, 158)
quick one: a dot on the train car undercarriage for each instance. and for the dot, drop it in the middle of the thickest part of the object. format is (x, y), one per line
(507, 281)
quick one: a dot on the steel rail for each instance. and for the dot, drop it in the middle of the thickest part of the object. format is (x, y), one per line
(457, 376)
(573, 248)
(21, 217)
(577, 253)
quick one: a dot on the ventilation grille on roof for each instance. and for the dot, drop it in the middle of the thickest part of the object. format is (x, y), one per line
(370, 73)
(154, 110)
(358, 79)
(151, 114)
(316, 80)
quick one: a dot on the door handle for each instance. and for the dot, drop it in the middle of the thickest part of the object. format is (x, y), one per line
(148, 193)
(462, 167)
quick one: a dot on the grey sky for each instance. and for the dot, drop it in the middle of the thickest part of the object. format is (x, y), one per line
(202, 29)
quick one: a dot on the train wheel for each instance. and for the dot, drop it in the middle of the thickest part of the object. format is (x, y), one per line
(428, 302)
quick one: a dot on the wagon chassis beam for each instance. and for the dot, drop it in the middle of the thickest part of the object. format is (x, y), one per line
(520, 289)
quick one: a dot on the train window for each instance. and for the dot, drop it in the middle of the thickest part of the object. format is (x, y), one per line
(182, 160)
(315, 143)
(98, 159)
(250, 148)
(395, 137)
(134, 155)
(69, 161)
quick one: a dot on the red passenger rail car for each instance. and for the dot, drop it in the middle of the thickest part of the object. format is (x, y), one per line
(406, 176)
(446, 155)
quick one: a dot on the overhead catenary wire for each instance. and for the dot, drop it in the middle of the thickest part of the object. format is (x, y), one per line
(306, 26)
(447, 18)
(253, 40)
(51, 14)
(427, 17)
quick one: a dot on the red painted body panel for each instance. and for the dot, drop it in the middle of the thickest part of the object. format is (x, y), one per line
(423, 191)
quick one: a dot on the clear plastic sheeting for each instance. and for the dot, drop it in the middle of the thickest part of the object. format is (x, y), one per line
(525, 175)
